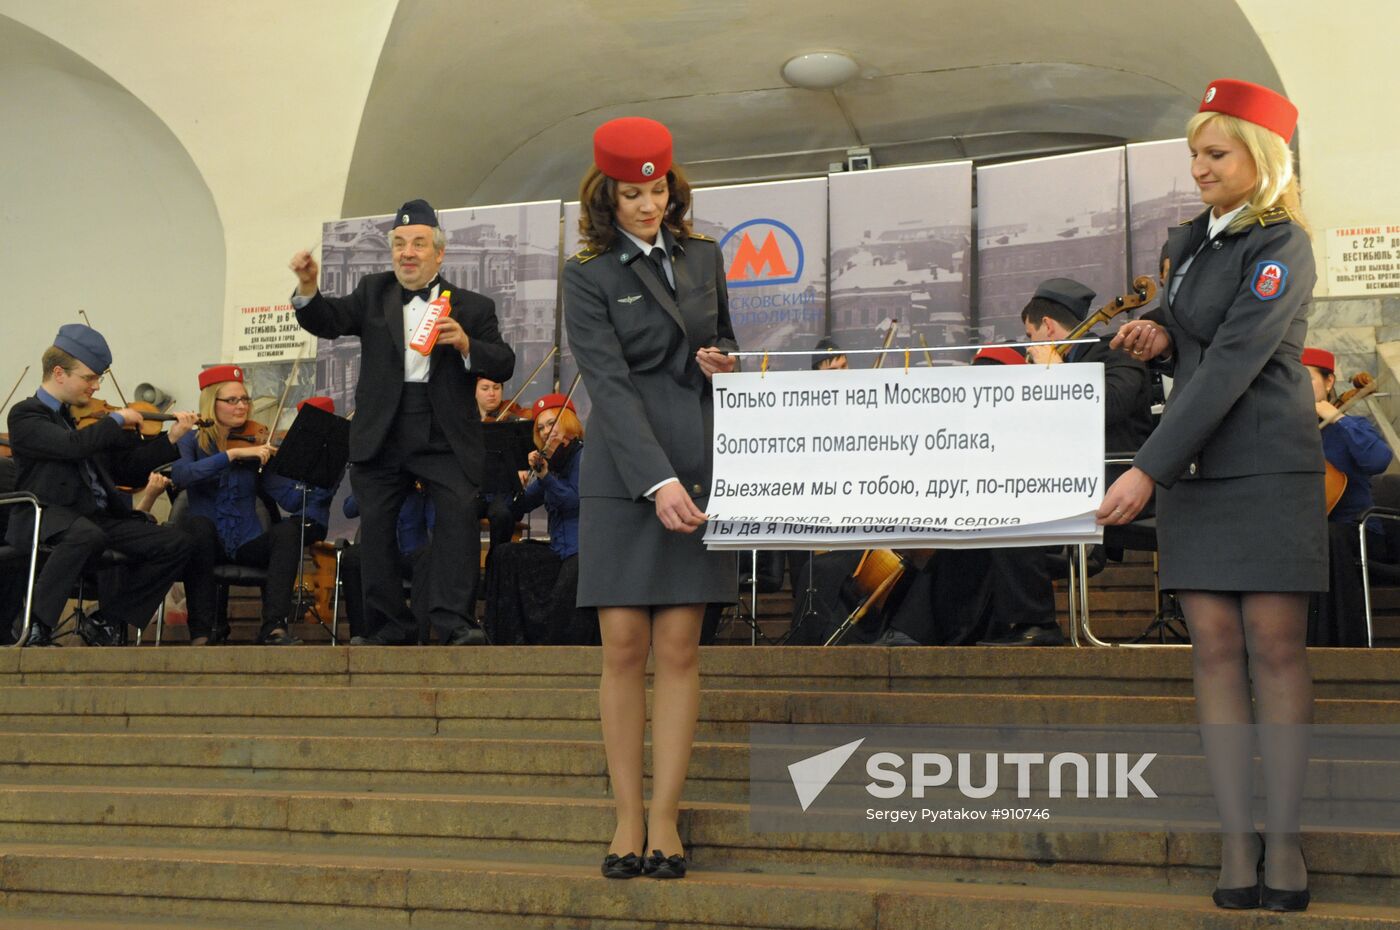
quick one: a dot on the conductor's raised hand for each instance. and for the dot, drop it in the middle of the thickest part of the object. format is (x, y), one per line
(714, 361)
(451, 333)
(1144, 340)
(676, 511)
(307, 272)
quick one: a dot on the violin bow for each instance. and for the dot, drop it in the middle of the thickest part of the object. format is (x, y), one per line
(555, 425)
(110, 374)
(286, 389)
(889, 338)
(11, 396)
(511, 403)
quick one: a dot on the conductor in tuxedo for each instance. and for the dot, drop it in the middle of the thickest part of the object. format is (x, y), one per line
(415, 418)
(71, 472)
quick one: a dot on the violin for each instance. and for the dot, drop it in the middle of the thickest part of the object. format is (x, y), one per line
(507, 412)
(1144, 289)
(152, 420)
(251, 433)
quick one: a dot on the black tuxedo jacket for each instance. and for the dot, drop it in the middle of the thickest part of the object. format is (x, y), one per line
(374, 312)
(49, 454)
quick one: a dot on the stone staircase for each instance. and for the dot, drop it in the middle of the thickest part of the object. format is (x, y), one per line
(431, 788)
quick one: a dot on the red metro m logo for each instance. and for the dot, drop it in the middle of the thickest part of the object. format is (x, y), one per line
(768, 252)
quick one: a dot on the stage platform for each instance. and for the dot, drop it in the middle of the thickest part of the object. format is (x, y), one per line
(319, 787)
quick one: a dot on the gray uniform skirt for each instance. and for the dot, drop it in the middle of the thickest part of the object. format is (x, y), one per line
(1254, 533)
(626, 558)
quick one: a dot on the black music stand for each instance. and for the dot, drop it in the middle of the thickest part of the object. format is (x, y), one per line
(507, 447)
(314, 453)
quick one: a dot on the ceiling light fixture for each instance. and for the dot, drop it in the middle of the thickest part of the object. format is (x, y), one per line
(820, 70)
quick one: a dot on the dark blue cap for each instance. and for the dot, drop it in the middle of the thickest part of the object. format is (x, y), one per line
(86, 345)
(416, 213)
(1068, 293)
(824, 351)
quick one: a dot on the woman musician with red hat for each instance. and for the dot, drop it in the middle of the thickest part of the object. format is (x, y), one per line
(222, 482)
(531, 587)
(647, 312)
(1237, 467)
(1355, 450)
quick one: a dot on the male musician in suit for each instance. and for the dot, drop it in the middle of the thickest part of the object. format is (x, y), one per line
(71, 472)
(415, 418)
(1022, 597)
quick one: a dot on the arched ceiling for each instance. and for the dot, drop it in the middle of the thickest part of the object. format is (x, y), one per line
(482, 102)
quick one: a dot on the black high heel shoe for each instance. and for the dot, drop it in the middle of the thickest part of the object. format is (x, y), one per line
(1246, 897)
(1280, 899)
(662, 866)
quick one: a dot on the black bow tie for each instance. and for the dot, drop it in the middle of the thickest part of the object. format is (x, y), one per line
(424, 292)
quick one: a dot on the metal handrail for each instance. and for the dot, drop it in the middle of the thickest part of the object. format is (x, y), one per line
(1383, 513)
(14, 499)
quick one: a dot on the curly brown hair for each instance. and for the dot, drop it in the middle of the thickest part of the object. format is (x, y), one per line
(597, 215)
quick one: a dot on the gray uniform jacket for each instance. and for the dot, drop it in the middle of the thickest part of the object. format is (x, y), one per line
(652, 412)
(1241, 401)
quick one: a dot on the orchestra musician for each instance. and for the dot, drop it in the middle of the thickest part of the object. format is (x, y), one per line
(71, 472)
(1357, 451)
(1022, 603)
(647, 311)
(1236, 463)
(222, 481)
(531, 587)
(415, 415)
(495, 506)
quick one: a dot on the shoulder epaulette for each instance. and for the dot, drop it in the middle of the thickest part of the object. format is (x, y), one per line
(702, 237)
(1274, 216)
(583, 256)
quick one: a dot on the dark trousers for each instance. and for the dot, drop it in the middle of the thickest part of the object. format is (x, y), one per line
(1022, 593)
(501, 518)
(413, 566)
(131, 596)
(278, 551)
(416, 449)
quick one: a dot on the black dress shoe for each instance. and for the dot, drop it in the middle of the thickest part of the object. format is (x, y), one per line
(1246, 897)
(39, 635)
(468, 636)
(659, 866)
(95, 631)
(1028, 636)
(1280, 899)
(628, 866)
(271, 637)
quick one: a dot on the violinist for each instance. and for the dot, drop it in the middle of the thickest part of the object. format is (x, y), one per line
(531, 587)
(1022, 608)
(1356, 449)
(222, 480)
(494, 505)
(70, 471)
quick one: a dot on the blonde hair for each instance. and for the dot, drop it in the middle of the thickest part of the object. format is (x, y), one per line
(566, 425)
(1277, 183)
(211, 438)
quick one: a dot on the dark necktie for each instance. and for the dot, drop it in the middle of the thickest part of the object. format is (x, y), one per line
(658, 260)
(99, 493)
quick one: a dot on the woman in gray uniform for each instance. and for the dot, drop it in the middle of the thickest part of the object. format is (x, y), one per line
(1242, 526)
(647, 312)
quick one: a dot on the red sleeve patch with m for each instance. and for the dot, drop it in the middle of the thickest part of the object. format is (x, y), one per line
(1269, 280)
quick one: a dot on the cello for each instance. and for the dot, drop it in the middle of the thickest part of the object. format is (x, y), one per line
(1335, 480)
(1144, 289)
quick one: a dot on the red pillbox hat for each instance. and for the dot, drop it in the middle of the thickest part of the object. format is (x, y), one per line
(1252, 102)
(633, 149)
(550, 402)
(1000, 355)
(320, 402)
(219, 374)
(1319, 358)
